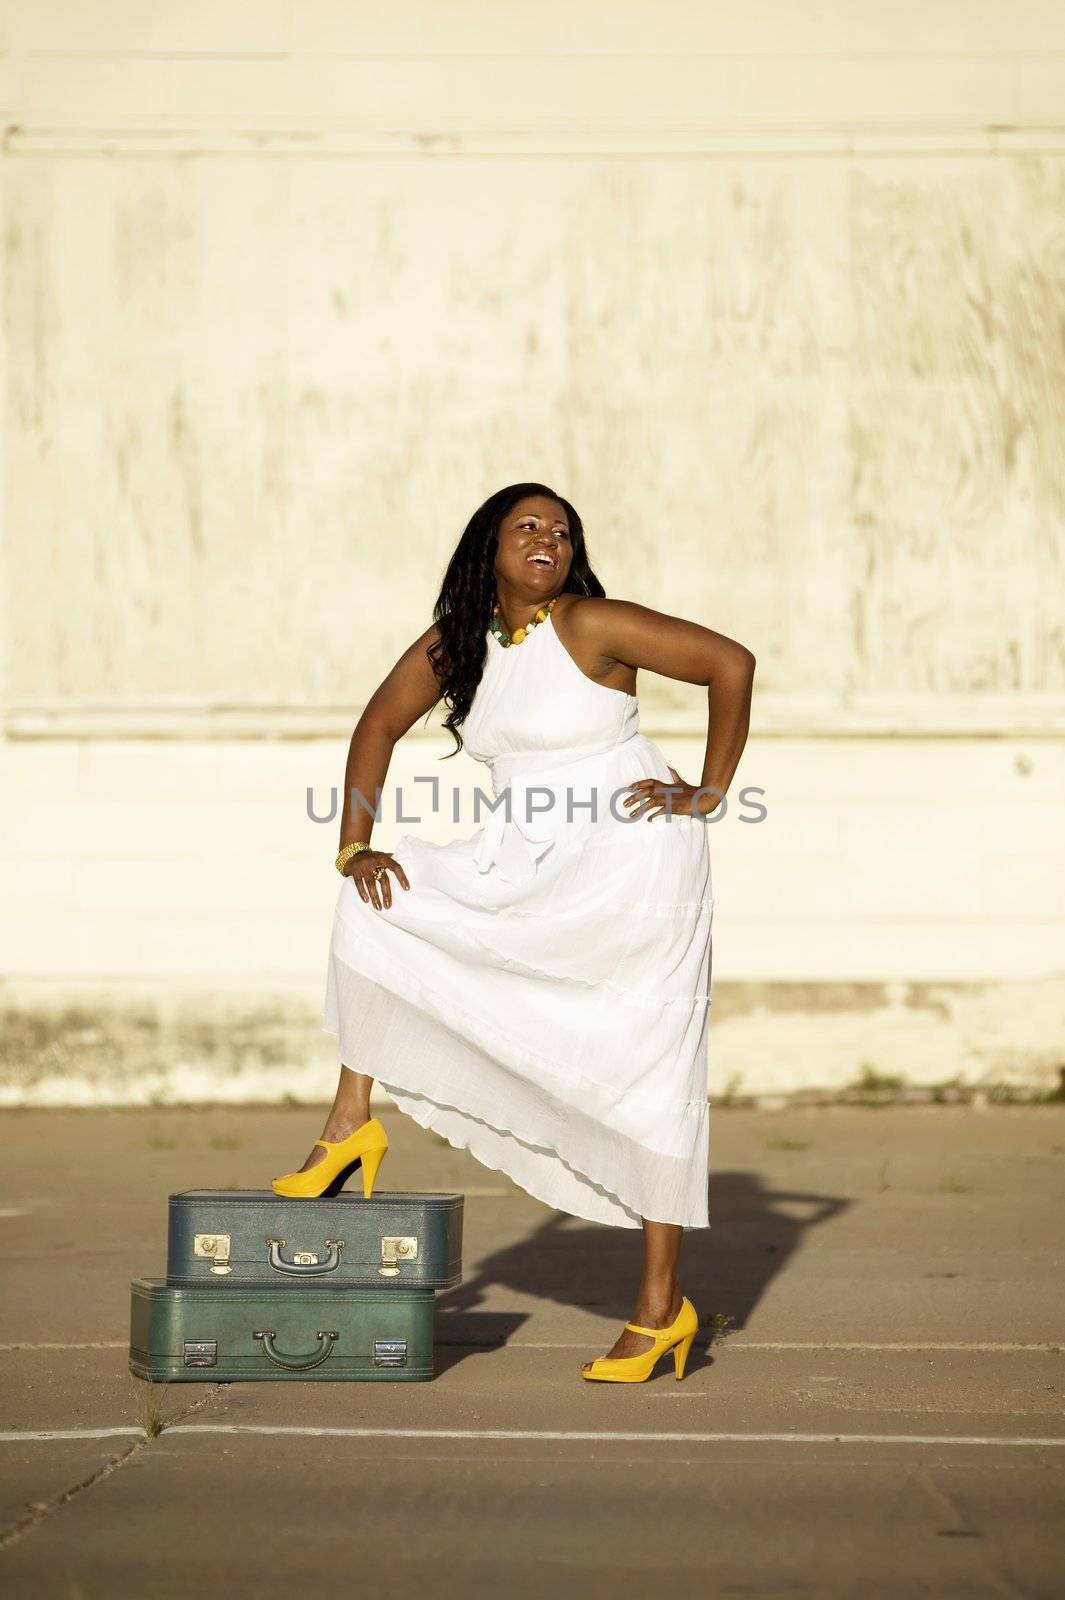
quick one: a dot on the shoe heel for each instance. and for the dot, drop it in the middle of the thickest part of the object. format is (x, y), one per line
(371, 1163)
(680, 1355)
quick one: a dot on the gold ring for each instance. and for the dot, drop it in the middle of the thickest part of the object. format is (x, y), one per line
(378, 872)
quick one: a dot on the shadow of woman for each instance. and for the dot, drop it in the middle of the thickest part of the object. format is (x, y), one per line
(725, 1268)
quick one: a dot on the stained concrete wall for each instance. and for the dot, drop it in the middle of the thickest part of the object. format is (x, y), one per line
(774, 298)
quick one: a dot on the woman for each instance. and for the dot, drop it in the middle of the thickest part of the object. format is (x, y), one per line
(538, 993)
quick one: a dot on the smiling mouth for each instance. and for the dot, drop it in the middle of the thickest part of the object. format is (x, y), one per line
(541, 559)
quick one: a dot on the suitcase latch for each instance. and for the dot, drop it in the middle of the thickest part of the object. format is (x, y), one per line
(396, 1248)
(390, 1352)
(201, 1352)
(215, 1248)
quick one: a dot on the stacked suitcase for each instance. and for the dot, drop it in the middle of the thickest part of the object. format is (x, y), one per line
(262, 1287)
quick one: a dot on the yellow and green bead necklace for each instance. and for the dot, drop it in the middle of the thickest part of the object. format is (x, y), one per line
(519, 634)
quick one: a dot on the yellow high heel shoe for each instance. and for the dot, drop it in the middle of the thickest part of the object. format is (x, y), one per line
(367, 1145)
(635, 1369)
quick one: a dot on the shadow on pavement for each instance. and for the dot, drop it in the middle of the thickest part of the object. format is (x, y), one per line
(726, 1268)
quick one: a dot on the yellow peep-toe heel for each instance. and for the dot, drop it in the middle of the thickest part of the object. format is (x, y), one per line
(635, 1369)
(367, 1145)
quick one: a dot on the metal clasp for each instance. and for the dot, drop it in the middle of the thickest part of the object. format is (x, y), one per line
(396, 1248)
(390, 1352)
(200, 1352)
(213, 1247)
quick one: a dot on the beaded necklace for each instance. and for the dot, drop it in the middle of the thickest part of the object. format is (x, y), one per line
(519, 634)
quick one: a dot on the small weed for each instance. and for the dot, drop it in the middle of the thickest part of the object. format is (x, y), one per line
(1006, 1094)
(154, 1422)
(150, 1403)
(870, 1081)
(224, 1142)
(952, 1185)
(290, 1101)
(731, 1089)
(159, 1141)
(788, 1144)
(718, 1325)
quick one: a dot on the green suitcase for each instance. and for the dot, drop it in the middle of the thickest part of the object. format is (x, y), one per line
(280, 1331)
(223, 1238)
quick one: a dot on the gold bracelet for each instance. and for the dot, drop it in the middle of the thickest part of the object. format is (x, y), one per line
(346, 854)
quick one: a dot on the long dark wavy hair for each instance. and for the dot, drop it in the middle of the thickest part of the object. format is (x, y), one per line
(463, 609)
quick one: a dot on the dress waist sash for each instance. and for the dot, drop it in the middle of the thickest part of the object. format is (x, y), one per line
(523, 827)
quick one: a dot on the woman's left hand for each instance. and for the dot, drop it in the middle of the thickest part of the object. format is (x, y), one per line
(650, 797)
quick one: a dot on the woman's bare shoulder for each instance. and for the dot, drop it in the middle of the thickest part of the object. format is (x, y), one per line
(672, 646)
(598, 619)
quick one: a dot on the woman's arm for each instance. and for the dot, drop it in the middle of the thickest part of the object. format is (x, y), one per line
(410, 691)
(622, 631)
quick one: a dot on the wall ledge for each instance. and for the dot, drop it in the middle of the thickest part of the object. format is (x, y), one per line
(776, 716)
(327, 139)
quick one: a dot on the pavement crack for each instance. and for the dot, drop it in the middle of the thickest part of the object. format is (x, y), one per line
(42, 1511)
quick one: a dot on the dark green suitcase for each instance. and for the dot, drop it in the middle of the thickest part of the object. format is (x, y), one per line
(226, 1237)
(280, 1331)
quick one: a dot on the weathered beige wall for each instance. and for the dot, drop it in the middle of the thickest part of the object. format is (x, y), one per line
(775, 298)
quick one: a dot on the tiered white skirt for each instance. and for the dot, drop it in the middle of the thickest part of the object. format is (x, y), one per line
(558, 1031)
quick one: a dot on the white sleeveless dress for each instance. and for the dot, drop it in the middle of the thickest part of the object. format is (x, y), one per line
(540, 995)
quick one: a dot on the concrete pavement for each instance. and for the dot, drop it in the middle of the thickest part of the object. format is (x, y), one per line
(882, 1411)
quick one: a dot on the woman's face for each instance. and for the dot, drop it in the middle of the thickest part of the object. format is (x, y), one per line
(534, 551)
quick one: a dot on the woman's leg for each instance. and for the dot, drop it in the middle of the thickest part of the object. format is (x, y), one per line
(659, 1299)
(350, 1109)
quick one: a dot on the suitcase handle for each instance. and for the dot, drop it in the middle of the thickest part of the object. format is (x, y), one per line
(305, 1265)
(296, 1363)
